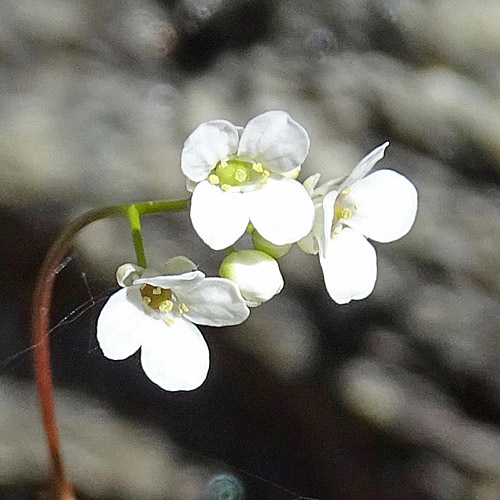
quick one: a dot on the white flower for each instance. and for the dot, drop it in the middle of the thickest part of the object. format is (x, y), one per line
(157, 312)
(247, 175)
(256, 273)
(381, 206)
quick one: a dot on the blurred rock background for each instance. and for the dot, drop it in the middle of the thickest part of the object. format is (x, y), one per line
(395, 397)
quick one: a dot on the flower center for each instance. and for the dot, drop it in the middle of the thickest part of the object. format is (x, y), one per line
(237, 172)
(342, 211)
(157, 298)
(162, 300)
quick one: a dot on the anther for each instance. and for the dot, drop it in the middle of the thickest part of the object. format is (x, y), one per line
(346, 191)
(184, 307)
(166, 306)
(169, 321)
(346, 213)
(336, 230)
(225, 187)
(157, 291)
(265, 176)
(142, 287)
(146, 300)
(213, 179)
(257, 167)
(223, 164)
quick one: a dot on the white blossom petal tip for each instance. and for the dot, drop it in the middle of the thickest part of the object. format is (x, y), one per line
(365, 165)
(156, 313)
(349, 267)
(208, 144)
(175, 356)
(120, 324)
(276, 139)
(385, 205)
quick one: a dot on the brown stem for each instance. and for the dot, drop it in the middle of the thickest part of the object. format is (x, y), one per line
(41, 317)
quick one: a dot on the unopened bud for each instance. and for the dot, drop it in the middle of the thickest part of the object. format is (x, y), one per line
(256, 273)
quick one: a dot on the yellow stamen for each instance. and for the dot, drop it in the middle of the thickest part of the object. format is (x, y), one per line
(166, 306)
(336, 231)
(223, 164)
(225, 187)
(213, 179)
(257, 167)
(184, 307)
(146, 300)
(346, 191)
(143, 286)
(346, 213)
(157, 291)
(170, 321)
(265, 176)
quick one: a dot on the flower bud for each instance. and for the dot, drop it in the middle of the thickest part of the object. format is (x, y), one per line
(256, 273)
(275, 251)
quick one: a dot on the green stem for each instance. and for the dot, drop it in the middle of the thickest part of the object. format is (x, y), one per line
(134, 219)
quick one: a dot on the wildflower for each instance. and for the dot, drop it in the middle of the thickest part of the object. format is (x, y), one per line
(256, 273)
(381, 206)
(158, 312)
(238, 176)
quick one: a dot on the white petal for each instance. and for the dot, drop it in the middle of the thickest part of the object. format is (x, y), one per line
(121, 324)
(214, 302)
(218, 217)
(349, 267)
(276, 140)
(324, 235)
(386, 206)
(179, 265)
(365, 165)
(209, 143)
(167, 281)
(281, 210)
(175, 356)
(126, 274)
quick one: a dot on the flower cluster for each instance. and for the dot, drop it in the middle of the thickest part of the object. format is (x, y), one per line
(245, 180)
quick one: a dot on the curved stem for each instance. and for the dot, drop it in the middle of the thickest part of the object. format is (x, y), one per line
(42, 299)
